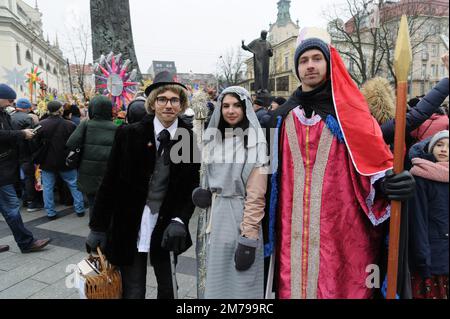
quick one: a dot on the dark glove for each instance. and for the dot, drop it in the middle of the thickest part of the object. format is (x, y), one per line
(399, 187)
(174, 238)
(245, 253)
(95, 239)
(201, 197)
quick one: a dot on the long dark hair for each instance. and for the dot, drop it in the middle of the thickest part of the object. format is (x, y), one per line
(243, 124)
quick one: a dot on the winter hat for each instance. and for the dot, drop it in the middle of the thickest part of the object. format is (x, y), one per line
(23, 104)
(7, 93)
(280, 100)
(136, 110)
(54, 106)
(259, 102)
(309, 44)
(436, 138)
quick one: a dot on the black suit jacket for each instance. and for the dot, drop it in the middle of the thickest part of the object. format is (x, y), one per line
(122, 195)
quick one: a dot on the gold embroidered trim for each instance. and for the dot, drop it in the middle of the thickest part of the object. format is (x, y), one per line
(318, 174)
(297, 208)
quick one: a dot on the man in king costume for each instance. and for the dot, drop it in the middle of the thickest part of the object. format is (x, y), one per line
(332, 182)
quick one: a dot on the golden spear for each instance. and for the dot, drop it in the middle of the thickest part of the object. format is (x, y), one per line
(402, 63)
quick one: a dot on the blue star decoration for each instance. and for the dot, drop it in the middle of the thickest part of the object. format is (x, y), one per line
(15, 77)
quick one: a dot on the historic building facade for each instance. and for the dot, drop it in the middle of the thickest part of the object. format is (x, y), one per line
(283, 37)
(23, 47)
(432, 20)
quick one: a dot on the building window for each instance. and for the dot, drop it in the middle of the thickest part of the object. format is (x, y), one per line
(351, 66)
(286, 63)
(55, 72)
(434, 50)
(252, 86)
(48, 67)
(433, 70)
(28, 55)
(442, 70)
(422, 88)
(424, 70)
(283, 84)
(41, 63)
(19, 60)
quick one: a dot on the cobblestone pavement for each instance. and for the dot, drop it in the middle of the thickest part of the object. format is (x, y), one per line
(43, 275)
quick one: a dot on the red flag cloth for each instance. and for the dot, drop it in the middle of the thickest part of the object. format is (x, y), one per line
(369, 153)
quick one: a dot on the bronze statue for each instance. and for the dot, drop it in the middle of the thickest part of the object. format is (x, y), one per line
(262, 52)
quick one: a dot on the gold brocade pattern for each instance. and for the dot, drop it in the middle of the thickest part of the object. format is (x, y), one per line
(297, 208)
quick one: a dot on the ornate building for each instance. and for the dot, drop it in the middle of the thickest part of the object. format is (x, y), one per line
(283, 37)
(22, 47)
(431, 18)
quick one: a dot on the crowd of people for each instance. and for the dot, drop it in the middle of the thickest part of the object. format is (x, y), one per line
(314, 212)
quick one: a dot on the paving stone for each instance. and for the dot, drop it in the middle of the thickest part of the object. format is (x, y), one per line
(23, 289)
(42, 275)
(16, 260)
(59, 271)
(57, 290)
(23, 272)
(57, 254)
(6, 255)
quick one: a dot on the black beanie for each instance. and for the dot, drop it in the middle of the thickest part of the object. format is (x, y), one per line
(309, 44)
(6, 92)
(54, 106)
(280, 100)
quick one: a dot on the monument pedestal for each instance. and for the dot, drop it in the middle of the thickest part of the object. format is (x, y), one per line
(264, 96)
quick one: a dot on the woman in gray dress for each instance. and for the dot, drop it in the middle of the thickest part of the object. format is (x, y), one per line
(234, 180)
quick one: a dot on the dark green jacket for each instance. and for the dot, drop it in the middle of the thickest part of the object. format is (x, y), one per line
(96, 137)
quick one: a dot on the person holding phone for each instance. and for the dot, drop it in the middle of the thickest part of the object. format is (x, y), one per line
(9, 173)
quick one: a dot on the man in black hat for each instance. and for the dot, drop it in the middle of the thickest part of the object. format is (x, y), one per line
(144, 202)
(9, 174)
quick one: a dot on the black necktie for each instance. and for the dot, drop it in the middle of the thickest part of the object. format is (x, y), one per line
(164, 145)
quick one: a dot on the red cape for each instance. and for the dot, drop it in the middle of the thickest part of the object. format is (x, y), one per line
(363, 136)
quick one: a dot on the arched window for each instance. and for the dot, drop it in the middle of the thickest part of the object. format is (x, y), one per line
(19, 60)
(28, 55)
(41, 63)
(49, 67)
(55, 72)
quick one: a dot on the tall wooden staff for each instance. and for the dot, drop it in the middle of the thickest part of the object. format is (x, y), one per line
(402, 63)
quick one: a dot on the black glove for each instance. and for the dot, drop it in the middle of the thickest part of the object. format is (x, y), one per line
(174, 238)
(399, 187)
(201, 197)
(95, 239)
(245, 253)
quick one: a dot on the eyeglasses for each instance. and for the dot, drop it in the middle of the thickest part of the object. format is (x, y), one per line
(162, 101)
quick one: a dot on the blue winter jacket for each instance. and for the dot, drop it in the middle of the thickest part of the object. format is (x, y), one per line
(428, 211)
(420, 113)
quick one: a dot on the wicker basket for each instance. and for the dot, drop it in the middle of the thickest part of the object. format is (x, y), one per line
(105, 285)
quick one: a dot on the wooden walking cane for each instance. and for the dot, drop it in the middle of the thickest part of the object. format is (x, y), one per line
(402, 63)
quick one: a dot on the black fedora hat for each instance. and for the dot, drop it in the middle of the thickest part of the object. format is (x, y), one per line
(162, 78)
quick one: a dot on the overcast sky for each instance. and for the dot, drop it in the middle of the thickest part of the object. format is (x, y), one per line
(193, 33)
